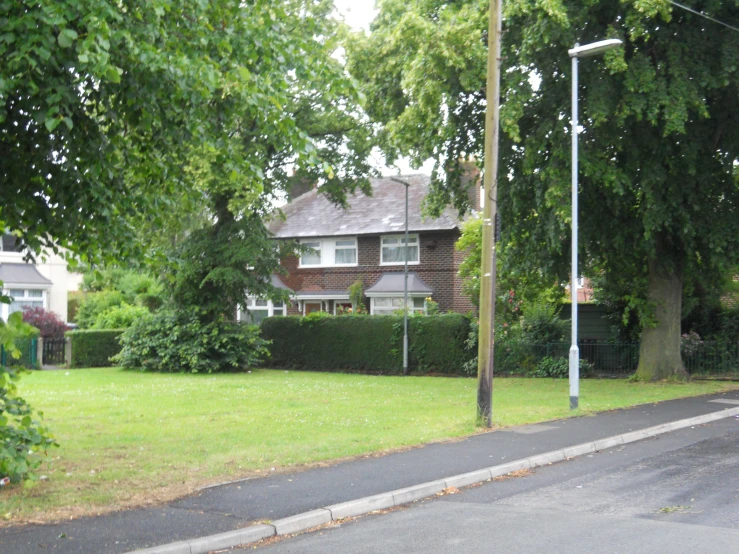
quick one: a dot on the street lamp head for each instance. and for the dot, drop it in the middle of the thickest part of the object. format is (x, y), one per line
(594, 48)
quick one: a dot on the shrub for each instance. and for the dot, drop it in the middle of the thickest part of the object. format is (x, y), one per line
(728, 325)
(559, 368)
(133, 284)
(22, 438)
(120, 317)
(96, 303)
(94, 347)
(432, 307)
(471, 344)
(48, 323)
(690, 343)
(552, 367)
(74, 299)
(175, 341)
(541, 324)
(371, 343)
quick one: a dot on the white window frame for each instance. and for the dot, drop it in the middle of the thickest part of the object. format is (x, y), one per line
(327, 252)
(270, 307)
(5, 312)
(318, 250)
(402, 243)
(411, 298)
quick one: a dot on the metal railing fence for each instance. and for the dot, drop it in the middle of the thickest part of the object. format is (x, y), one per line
(616, 359)
(28, 357)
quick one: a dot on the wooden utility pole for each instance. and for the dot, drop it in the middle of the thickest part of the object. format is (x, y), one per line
(490, 184)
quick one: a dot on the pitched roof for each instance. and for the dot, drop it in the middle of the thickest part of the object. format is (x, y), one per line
(312, 215)
(277, 282)
(9, 243)
(394, 283)
(21, 274)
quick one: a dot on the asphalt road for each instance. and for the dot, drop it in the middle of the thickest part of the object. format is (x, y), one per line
(675, 493)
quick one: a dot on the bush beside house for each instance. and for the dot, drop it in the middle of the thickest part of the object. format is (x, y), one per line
(177, 341)
(49, 324)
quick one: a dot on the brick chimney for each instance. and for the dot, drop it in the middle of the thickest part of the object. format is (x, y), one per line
(299, 186)
(471, 181)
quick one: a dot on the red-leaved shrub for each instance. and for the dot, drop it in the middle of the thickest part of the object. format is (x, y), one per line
(50, 325)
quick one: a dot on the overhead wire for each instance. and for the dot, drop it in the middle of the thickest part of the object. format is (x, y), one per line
(701, 14)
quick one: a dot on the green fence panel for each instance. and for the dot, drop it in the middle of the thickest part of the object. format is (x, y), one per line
(28, 357)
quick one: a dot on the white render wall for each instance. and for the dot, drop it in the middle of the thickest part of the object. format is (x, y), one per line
(53, 267)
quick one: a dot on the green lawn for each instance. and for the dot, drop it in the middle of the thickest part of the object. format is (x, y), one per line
(131, 438)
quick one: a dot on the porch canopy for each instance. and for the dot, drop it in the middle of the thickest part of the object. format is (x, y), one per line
(392, 284)
(17, 275)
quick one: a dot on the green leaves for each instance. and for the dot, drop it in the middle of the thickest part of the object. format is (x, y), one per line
(52, 123)
(113, 74)
(649, 112)
(67, 37)
(132, 99)
(22, 438)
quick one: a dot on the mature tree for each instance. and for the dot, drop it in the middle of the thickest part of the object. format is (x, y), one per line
(110, 110)
(168, 117)
(660, 143)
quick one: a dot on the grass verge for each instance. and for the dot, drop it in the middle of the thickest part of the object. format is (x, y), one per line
(131, 438)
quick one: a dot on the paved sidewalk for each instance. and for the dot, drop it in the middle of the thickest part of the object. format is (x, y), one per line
(234, 506)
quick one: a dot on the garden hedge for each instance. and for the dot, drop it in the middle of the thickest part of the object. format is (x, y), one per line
(436, 344)
(94, 347)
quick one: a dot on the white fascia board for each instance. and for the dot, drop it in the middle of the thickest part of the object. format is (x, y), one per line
(397, 294)
(318, 297)
(37, 286)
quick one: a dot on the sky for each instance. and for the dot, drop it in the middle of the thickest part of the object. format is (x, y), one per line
(359, 14)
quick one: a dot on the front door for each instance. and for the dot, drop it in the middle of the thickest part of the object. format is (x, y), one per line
(311, 307)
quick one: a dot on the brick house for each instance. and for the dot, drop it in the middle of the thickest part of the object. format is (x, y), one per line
(365, 243)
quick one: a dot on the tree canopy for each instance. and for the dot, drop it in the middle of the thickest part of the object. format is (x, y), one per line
(111, 112)
(126, 126)
(658, 149)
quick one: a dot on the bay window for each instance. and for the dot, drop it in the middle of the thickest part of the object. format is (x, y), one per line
(22, 298)
(388, 305)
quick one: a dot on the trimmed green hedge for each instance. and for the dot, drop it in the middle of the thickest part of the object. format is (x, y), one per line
(94, 347)
(368, 343)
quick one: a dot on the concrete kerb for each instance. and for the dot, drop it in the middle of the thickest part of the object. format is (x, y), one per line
(366, 505)
(231, 538)
(300, 522)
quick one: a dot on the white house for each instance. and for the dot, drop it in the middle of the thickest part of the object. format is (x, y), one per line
(43, 284)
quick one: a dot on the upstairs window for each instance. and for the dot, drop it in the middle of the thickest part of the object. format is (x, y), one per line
(393, 248)
(340, 252)
(345, 252)
(313, 256)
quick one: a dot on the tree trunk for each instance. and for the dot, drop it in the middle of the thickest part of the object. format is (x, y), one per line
(659, 352)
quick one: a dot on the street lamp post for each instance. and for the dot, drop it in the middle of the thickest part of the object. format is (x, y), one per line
(405, 280)
(575, 53)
